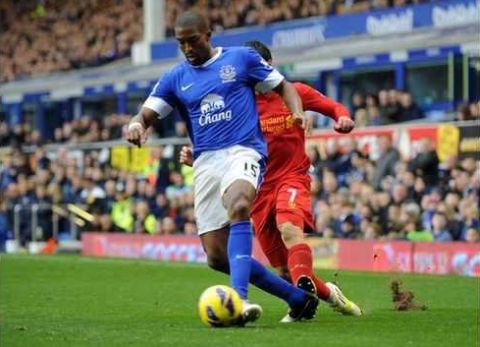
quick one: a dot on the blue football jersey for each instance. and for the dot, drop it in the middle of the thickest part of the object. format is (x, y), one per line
(217, 99)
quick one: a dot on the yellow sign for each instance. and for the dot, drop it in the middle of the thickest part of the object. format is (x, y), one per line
(448, 138)
(120, 157)
(139, 159)
(130, 159)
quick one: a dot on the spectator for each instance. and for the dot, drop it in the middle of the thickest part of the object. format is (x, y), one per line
(388, 106)
(372, 232)
(348, 229)
(416, 233)
(463, 113)
(362, 118)
(386, 162)
(122, 212)
(168, 226)
(144, 221)
(425, 163)
(408, 108)
(106, 224)
(472, 235)
(440, 230)
(358, 102)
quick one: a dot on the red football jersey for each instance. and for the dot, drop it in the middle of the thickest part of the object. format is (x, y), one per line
(286, 140)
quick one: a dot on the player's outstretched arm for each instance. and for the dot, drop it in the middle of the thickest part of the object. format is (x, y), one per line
(315, 101)
(138, 125)
(291, 98)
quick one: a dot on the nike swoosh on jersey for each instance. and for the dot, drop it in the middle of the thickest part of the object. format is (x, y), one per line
(184, 88)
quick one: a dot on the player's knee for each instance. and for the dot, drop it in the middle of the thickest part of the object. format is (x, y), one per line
(218, 262)
(291, 234)
(240, 209)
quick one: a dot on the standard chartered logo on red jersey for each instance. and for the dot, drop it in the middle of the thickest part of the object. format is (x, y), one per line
(212, 110)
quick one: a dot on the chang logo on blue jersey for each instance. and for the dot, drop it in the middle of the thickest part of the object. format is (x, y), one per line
(213, 110)
(217, 99)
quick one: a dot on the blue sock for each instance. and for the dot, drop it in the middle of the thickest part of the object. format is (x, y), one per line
(240, 256)
(275, 285)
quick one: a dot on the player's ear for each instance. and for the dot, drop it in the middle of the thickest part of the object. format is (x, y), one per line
(209, 34)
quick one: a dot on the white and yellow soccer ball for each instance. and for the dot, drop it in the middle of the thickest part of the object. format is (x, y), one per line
(219, 306)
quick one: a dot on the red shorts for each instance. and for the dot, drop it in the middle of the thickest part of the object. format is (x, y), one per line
(289, 201)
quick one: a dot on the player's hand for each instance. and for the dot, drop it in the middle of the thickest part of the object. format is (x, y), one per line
(344, 125)
(186, 156)
(309, 124)
(299, 118)
(136, 134)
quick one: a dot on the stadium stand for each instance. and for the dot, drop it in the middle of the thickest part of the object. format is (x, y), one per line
(357, 194)
(40, 37)
(228, 14)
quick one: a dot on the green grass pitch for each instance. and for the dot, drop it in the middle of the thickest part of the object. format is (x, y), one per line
(74, 301)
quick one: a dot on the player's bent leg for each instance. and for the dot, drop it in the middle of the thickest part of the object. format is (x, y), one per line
(300, 261)
(301, 306)
(299, 257)
(214, 244)
(291, 234)
(238, 198)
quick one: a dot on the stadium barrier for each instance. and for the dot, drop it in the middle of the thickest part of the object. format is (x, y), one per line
(27, 220)
(376, 256)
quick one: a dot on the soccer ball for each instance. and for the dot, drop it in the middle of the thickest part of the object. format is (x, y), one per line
(219, 306)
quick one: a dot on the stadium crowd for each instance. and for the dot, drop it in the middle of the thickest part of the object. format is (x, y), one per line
(355, 195)
(227, 14)
(384, 107)
(43, 36)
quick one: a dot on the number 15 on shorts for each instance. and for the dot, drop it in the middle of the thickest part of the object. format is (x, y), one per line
(252, 169)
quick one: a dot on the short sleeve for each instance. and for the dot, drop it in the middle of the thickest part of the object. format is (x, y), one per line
(162, 97)
(260, 73)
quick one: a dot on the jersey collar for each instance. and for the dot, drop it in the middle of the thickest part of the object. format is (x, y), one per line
(212, 59)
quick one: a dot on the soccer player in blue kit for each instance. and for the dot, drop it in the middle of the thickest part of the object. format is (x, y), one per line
(214, 92)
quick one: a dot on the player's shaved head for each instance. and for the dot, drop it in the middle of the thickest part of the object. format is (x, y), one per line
(193, 19)
(261, 48)
(193, 35)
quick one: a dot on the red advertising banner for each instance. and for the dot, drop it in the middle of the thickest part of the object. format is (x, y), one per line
(395, 256)
(377, 256)
(446, 258)
(180, 248)
(401, 256)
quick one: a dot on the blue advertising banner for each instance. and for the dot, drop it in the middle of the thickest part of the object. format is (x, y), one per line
(313, 31)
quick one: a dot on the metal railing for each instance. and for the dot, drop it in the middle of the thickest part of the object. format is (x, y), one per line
(75, 214)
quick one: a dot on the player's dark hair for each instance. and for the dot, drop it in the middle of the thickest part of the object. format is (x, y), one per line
(261, 48)
(192, 18)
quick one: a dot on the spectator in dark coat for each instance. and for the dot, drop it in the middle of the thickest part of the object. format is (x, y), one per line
(425, 163)
(385, 164)
(409, 110)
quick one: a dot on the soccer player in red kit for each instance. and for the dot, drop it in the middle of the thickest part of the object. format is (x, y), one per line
(282, 208)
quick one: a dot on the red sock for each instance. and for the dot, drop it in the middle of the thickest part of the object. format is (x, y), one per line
(300, 263)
